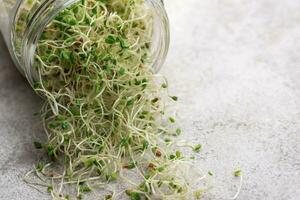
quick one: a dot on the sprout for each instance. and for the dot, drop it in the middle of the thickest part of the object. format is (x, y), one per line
(110, 39)
(39, 167)
(237, 173)
(108, 197)
(50, 188)
(164, 85)
(84, 189)
(175, 98)
(178, 131)
(197, 148)
(171, 119)
(198, 194)
(38, 145)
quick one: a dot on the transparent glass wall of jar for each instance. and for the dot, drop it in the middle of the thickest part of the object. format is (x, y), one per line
(22, 22)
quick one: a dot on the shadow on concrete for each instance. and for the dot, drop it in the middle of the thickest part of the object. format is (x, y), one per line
(18, 126)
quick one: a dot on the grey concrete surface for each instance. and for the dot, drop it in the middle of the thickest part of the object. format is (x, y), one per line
(18, 127)
(235, 65)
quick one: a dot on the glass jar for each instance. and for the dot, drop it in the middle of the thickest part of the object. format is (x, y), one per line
(23, 21)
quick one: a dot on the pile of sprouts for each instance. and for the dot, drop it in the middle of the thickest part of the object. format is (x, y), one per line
(105, 109)
(105, 113)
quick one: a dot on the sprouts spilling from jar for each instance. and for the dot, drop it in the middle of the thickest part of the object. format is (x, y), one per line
(110, 134)
(105, 109)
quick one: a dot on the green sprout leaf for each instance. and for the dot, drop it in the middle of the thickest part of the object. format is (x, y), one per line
(38, 145)
(123, 43)
(197, 148)
(198, 194)
(110, 39)
(145, 145)
(39, 167)
(50, 188)
(178, 131)
(178, 154)
(135, 196)
(85, 189)
(64, 125)
(171, 119)
(175, 98)
(164, 85)
(50, 150)
(172, 157)
(121, 71)
(237, 173)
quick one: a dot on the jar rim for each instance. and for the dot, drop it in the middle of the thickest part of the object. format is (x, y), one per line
(45, 15)
(41, 18)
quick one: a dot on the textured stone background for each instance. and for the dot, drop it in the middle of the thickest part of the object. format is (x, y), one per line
(235, 66)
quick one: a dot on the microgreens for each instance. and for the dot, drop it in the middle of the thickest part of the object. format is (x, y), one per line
(104, 106)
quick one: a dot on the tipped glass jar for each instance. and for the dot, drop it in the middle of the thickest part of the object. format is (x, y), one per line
(22, 23)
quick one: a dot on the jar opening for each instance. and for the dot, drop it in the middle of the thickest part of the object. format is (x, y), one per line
(46, 11)
(41, 16)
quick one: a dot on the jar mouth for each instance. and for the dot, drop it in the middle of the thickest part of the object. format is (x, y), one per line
(40, 19)
(50, 9)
